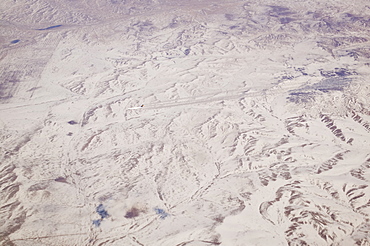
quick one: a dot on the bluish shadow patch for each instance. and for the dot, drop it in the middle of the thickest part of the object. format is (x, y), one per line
(102, 212)
(15, 41)
(286, 20)
(97, 222)
(331, 84)
(279, 11)
(337, 72)
(301, 97)
(9, 82)
(48, 28)
(162, 214)
(187, 52)
(308, 93)
(229, 17)
(72, 122)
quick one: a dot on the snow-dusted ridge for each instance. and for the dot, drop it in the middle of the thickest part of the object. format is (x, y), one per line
(184, 123)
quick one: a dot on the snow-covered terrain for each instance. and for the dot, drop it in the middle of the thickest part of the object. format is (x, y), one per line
(173, 123)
